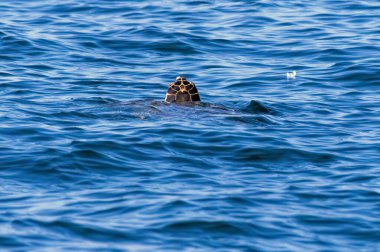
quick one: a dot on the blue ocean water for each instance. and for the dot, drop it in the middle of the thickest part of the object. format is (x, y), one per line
(92, 160)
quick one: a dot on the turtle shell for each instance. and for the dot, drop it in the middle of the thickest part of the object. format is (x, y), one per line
(182, 90)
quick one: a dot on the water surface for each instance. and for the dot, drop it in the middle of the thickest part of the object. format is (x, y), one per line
(92, 160)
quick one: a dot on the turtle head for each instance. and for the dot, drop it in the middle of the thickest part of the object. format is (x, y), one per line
(182, 91)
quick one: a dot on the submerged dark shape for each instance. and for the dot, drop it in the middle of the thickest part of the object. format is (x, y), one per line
(256, 108)
(182, 90)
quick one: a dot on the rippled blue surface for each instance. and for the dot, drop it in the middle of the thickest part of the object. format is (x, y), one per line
(92, 160)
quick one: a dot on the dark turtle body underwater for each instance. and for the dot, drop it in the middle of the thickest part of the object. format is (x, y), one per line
(182, 90)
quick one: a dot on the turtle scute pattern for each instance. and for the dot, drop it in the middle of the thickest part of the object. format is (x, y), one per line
(182, 90)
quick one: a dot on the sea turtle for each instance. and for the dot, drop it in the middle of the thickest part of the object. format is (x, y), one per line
(182, 90)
